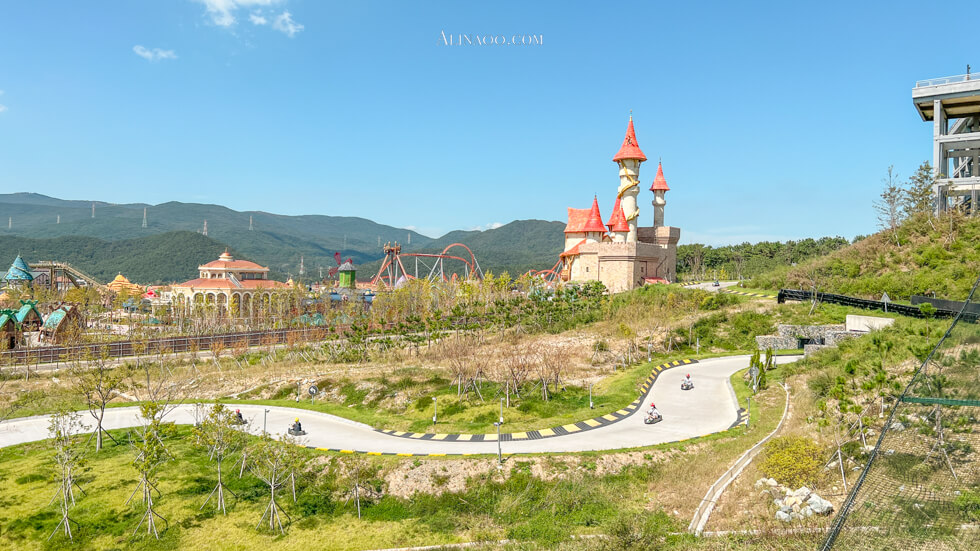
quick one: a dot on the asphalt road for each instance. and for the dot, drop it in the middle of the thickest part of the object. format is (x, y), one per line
(708, 285)
(710, 407)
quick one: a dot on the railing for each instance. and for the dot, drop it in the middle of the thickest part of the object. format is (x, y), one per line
(711, 497)
(945, 80)
(844, 300)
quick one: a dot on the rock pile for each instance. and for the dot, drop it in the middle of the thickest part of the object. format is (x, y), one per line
(794, 504)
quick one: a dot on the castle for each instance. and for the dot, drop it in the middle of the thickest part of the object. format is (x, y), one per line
(624, 256)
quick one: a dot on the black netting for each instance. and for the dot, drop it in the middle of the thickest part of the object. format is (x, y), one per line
(921, 486)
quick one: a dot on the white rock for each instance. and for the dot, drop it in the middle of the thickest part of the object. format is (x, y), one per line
(785, 517)
(820, 505)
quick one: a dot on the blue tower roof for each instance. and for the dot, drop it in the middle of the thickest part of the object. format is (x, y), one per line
(19, 271)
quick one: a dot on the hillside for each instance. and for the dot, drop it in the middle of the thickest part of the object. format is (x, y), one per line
(515, 247)
(162, 258)
(277, 241)
(925, 255)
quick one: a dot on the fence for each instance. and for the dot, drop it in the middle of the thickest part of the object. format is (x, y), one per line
(903, 309)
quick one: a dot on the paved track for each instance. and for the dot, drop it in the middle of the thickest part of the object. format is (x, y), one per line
(709, 408)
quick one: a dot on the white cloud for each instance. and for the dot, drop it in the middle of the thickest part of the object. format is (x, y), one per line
(222, 12)
(3, 108)
(485, 227)
(257, 19)
(286, 24)
(154, 54)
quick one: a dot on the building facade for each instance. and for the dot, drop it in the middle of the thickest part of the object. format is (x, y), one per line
(235, 287)
(620, 253)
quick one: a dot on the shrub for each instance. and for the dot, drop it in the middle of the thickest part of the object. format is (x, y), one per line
(792, 460)
(638, 531)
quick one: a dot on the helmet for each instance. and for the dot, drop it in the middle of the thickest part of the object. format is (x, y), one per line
(688, 375)
(653, 405)
(238, 411)
(297, 419)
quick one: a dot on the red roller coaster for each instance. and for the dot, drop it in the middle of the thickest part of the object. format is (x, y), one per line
(394, 266)
(551, 276)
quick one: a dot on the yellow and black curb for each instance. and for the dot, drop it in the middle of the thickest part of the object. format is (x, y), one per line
(743, 418)
(394, 454)
(744, 294)
(571, 428)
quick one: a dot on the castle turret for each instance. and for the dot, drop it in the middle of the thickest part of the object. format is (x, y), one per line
(618, 228)
(659, 188)
(629, 158)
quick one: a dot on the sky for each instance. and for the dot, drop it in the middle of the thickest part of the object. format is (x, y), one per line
(773, 120)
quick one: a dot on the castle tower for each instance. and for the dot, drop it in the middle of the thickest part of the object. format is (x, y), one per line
(659, 188)
(629, 158)
(618, 228)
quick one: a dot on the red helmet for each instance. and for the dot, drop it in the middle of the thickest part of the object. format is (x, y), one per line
(238, 411)
(688, 375)
(653, 405)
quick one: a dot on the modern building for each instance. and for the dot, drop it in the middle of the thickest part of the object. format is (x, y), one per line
(952, 104)
(236, 287)
(620, 253)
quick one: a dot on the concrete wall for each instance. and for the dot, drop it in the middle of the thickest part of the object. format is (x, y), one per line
(866, 323)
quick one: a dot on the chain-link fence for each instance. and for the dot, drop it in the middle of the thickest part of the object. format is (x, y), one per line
(921, 486)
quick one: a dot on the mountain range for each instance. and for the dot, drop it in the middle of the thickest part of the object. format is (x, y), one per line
(104, 238)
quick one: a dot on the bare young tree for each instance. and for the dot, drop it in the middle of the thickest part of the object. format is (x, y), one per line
(219, 434)
(150, 456)
(556, 359)
(888, 207)
(64, 428)
(97, 382)
(354, 471)
(273, 462)
(463, 364)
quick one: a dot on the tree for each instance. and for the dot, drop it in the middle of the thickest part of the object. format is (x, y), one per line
(354, 471)
(97, 382)
(150, 455)
(273, 462)
(65, 426)
(888, 207)
(918, 196)
(219, 435)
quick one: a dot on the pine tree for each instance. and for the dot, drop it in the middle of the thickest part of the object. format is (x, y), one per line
(918, 196)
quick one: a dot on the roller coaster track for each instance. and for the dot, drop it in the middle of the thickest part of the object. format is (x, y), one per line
(72, 273)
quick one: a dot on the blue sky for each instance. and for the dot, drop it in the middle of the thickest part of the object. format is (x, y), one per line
(774, 120)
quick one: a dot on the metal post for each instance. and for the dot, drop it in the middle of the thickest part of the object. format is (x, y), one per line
(501, 410)
(591, 405)
(500, 454)
(265, 417)
(435, 411)
(748, 410)
(698, 346)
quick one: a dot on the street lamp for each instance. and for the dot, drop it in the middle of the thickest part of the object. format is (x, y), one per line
(500, 455)
(265, 417)
(501, 410)
(435, 411)
(591, 405)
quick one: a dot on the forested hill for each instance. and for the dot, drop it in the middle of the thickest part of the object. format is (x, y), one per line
(276, 241)
(163, 258)
(923, 255)
(697, 261)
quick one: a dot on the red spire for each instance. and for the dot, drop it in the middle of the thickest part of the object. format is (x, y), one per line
(659, 183)
(617, 220)
(630, 149)
(594, 222)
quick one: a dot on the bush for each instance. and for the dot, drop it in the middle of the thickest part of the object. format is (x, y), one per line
(638, 531)
(793, 461)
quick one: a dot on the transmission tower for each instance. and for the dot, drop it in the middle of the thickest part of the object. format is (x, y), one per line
(409, 238)
(144, 217)
(204, 232)
(93, 210)
(10, 222)
(302, 268)
(59, 219)
(249, 223)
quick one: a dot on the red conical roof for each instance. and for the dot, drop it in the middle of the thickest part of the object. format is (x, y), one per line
(659, 183)
(617, 220)
(594, 222)
(630, 149)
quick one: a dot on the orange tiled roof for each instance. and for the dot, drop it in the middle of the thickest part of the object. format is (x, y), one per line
(573, 251)
(617, 220)
(585, 220)
(630, 149)
(659, 183)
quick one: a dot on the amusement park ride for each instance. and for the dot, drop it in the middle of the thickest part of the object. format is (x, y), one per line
(398, 266)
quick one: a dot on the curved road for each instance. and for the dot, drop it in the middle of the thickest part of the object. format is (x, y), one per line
(710, 407)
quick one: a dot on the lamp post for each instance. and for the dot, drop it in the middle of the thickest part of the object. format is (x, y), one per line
(435, 412)
(501, 410)
(500, 455)
(265, 417)
(591, 405)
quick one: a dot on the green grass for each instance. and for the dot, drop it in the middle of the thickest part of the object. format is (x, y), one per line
(520, 507)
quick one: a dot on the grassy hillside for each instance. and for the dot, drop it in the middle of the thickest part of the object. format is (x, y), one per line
(925, 255)
(166, 257)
